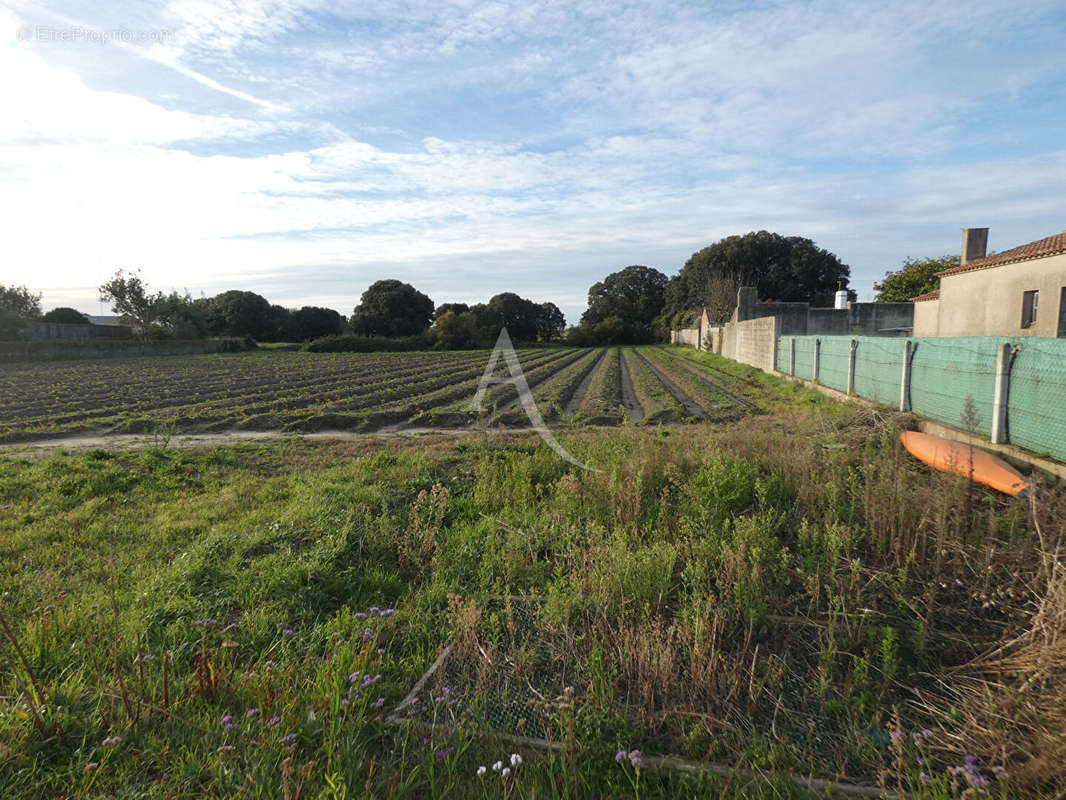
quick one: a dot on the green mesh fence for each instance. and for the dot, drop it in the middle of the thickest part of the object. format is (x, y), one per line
(879, 369)
(783, 355)
(1036, 406)
(833, 363)
(947, 372)
(805, 346)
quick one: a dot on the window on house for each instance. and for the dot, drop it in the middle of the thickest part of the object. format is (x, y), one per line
(1030, 301)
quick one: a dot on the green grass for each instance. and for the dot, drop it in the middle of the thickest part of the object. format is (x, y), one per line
(767, 594)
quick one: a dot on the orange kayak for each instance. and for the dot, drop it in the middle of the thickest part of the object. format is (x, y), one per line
(949, 456)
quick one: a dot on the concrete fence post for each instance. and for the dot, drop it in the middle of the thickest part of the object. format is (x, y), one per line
(792, 356)
(905, 379)
(817, 360)
(851, 366)
(999, 402)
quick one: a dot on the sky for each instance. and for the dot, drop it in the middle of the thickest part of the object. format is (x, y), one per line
(303, 150)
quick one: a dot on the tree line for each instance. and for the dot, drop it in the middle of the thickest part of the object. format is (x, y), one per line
(634, 305)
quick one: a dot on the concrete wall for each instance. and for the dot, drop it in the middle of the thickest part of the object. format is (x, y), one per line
(926, 318)
(798, 319)
(49, 331)
(988, 302)
(104, 348)
(756, 341)
(690, 337)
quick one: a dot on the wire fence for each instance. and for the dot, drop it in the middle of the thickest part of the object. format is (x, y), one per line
(951, 380)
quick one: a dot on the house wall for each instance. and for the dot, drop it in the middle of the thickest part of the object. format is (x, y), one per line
(988, 302)
(926, 318)
(689, 337)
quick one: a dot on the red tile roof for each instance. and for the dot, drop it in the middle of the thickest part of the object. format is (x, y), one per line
(933, 295)
(1052, 245)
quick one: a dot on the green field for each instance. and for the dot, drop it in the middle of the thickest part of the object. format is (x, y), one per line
(302, 392)
(773, 588)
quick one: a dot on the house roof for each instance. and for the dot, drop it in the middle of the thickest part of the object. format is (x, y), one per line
(1052, 245)
(933, 295)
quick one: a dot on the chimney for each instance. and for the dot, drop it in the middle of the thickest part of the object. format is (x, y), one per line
(974, 244)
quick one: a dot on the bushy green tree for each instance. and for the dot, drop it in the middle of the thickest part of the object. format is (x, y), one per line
(392, 308)
(915, 277)
(313, 322)
(635, 295)
(18, 305)
(237, 313)
(785, 268)
(66, 316)
(130, 298)
(550, 322)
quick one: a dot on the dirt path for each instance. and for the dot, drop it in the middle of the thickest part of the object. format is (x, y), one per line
(692, 408)
(629, 395)
(574, 404)
(129, 441)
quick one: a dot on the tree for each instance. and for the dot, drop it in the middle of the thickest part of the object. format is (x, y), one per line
(237, 313)
(313, 322)
(550, 322)
(18, 305)
(66, 316)
(444, 308)
(130, 298)
(181, 317)
(915, 277)
(455, 331)
(786, 268)
(392, 308)
(518, 315)
(635, 295)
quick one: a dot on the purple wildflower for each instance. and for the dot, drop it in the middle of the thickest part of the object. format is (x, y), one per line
(287, 738)
(388, 612)
(230, 727)
(368, 634)
(620, 756)
(288, 632)
(378, 703)
(375, 610)
(354, 677)
(225, 719)
(447, 751)
(360, 615)
(636, 758)
(273, 721)
(251, 712)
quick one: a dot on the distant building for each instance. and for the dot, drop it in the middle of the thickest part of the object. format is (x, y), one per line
(1019, 292)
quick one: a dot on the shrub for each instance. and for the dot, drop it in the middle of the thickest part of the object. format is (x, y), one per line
(351, 343)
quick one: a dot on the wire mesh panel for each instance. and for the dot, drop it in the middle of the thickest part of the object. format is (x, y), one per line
(805, 356)
(1036, 408)
(879, 369)
(502, 674)
(834, 360)
(945, 373)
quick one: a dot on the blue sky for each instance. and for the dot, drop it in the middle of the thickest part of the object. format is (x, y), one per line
(305, 149)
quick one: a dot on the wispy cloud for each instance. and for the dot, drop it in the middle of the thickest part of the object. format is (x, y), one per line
(306, 149)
